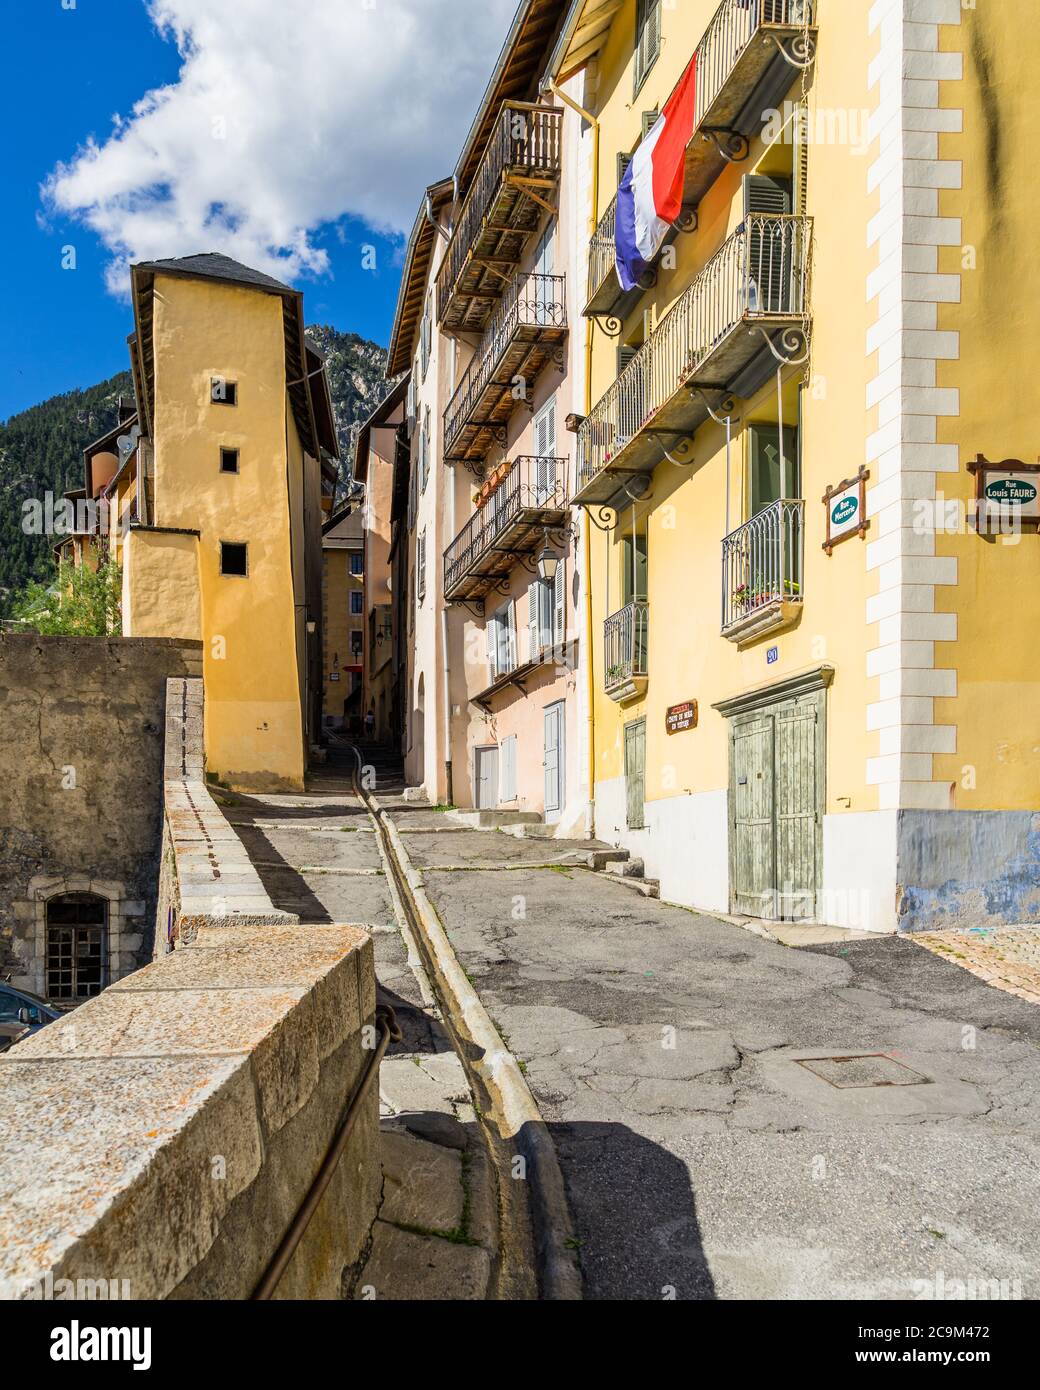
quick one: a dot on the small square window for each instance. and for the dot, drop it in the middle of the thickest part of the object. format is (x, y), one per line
(229, 460)
(233, 558)
(357, 602)
(223, 392)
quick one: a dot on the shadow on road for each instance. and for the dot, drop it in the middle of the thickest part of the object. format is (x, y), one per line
(635, 1213)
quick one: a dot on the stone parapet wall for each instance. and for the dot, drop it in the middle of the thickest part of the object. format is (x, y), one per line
(164, 1134)
(157, 1142)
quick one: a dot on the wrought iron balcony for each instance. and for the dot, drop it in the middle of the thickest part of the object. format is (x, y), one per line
(625, 641)
(747, 307)
(746, 61)
(501, 212)
(531, 497)
(762, 563)
(525, 333)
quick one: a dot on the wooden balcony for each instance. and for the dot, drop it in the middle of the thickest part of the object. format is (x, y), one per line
(510, 194)
(746, 61)
(511, 523)
(626, 636)
(749, 304)
(526, 332)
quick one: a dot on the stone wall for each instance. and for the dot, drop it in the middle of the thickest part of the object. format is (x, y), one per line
(81, 764)
(157, 1142)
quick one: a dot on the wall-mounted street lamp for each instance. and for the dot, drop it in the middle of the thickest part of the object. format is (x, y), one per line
(548, 562)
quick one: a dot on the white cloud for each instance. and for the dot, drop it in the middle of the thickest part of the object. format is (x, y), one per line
(286, 116)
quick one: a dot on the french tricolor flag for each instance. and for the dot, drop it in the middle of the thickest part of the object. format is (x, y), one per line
(650, 196)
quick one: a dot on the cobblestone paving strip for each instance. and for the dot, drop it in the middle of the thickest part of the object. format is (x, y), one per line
(1006, 957)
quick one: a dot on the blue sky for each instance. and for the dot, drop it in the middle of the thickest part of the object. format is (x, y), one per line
(304, 195)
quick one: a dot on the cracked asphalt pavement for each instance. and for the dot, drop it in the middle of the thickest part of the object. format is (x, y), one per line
(665, 1050)
(702, 1159)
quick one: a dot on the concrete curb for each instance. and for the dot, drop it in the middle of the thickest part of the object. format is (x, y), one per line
(500, 1073)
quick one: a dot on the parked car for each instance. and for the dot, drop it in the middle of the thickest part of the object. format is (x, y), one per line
(21, 1013)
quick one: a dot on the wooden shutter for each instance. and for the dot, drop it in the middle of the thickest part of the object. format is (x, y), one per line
(623, 161)
(765, 194)
(545, 449)
(771, 245)
(635, 774)
(625, 354)
(650, 119)
(507, 769)
(534, 631)
(559, 617)
(491, 632)
(648, 38)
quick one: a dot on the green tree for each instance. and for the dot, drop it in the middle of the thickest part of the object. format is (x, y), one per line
(81, 602)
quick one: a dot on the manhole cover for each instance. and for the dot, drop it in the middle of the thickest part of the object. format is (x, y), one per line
(874, 1070)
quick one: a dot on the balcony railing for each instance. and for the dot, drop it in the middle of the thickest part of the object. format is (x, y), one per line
(733, 26)
(511, 522)
(497, 217)
(534, 311)
(759, 276)
(750, 47)
(762, 571)
(603, 254)
(625, 641)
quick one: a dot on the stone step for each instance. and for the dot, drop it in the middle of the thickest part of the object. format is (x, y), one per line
(625, 868)
(598, 859)
(485, 820)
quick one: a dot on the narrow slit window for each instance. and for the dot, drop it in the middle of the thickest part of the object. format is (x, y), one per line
(233, 558)
(229, 460)
(222, 391)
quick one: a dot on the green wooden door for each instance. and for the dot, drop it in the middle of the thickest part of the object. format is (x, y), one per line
(776, 789)
(753, 828)
(635, 774)
(797, 806)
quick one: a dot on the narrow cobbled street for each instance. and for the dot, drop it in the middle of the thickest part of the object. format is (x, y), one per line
(734, 1117)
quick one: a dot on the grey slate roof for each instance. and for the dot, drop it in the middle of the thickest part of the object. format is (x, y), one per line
(213, 266)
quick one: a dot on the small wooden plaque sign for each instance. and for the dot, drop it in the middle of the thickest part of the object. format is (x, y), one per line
(679, 718)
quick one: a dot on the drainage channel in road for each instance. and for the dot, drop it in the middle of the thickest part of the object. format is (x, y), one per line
(537, 1240)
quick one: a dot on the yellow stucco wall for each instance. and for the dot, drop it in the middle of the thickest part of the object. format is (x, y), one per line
(686, 517)
(997, 597)
(161, 594)
(253, 695)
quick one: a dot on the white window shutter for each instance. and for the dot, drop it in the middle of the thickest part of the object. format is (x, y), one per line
(507, 769)
(492, 646)
(534, 594)
(560, 604)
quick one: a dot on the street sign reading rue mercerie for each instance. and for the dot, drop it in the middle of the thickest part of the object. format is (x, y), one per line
(679, 718)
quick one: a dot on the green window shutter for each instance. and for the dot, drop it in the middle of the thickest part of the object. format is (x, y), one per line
(625, 354)
(623, 161)
(767, 195)
(648, 39)
(635, 774)
(650, 119)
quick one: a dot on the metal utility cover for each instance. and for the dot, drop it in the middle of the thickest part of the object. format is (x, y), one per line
(847, 1073)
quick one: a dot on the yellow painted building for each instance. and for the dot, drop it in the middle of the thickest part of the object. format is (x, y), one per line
(216, 493)
(815, 689)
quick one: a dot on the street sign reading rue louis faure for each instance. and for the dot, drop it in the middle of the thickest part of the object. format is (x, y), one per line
(679, 718)
(1009, 488)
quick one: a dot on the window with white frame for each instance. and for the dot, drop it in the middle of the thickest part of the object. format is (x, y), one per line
(424, 450)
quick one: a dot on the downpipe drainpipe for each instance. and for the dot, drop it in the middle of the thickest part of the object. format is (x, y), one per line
(568, 101)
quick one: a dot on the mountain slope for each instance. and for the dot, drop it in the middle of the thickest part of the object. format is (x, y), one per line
(41, 448)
